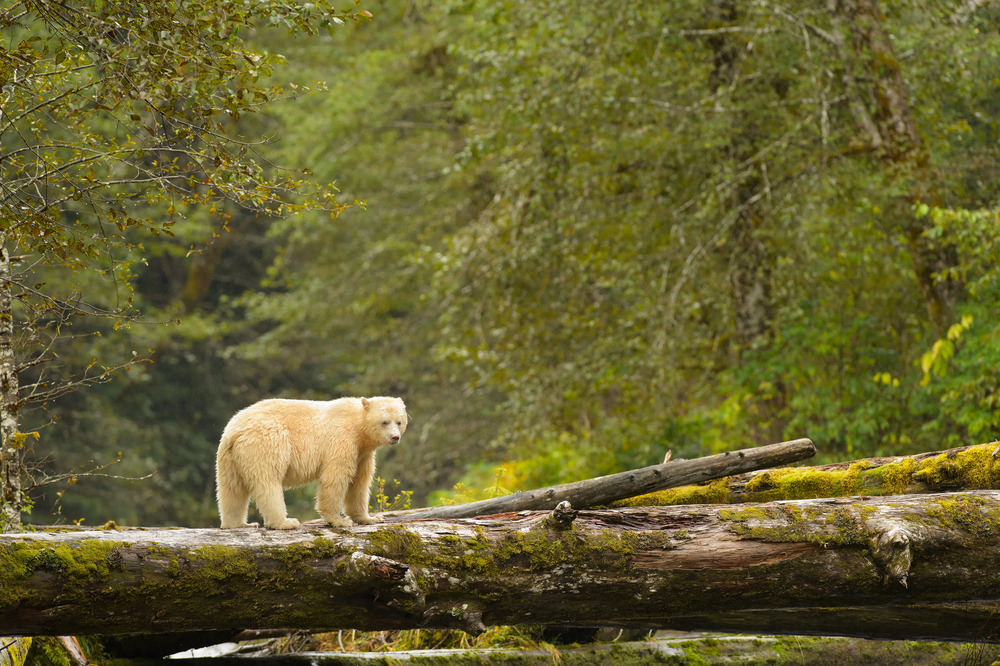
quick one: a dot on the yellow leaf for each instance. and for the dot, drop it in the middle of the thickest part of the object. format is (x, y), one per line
(925, 364)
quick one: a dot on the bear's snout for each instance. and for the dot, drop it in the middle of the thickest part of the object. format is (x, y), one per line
(394, 438)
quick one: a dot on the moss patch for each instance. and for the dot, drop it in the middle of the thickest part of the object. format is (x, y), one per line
(89, 561)
(973, 468)
(788, 524)
(713, 492)
(967, 514)
(894, 478)
(396, 543)
(532, 550)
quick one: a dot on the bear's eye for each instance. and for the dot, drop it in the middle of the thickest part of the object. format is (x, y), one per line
(385, 423)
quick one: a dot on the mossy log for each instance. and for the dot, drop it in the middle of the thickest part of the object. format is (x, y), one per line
(965, 468)
(906, 567)
(13, 650)
(604, 490)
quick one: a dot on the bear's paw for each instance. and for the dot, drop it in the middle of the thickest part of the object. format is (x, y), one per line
(286, 524)
(340, 521)
(368, 520)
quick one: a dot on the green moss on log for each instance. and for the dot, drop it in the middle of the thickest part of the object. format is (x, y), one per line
(969, 515)
(787, 524)
(535, 549)
(234, 577)
(91, 561)
(713, 492)
(972, 468)
(14, 650)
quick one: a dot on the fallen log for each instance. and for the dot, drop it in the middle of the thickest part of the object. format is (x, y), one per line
(906, 567)
(14, 650)
(693, 649)
(604, 490)
(964, 468)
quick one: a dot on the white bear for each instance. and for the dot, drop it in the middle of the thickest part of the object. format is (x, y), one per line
(277, 444)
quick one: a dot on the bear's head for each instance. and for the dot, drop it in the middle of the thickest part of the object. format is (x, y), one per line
(385, 419)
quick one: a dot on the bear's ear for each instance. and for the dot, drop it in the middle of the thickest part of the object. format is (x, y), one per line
(364, 402)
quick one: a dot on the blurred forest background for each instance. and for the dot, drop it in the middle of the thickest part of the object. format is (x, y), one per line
(593, 232)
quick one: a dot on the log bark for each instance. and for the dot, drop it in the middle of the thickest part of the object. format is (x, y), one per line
(606, 489)
(906, 567)
(964, 468)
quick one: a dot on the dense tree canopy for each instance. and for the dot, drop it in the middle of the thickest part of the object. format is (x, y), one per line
(116, 119)
(593, 232)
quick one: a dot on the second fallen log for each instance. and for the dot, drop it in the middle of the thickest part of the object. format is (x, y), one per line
(964, 468)
(606, 489)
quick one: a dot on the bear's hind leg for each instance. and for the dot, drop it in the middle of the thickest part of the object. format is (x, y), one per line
(232, 496)
(359, 491)
(330, 497)
(270, 501)
(233, 506)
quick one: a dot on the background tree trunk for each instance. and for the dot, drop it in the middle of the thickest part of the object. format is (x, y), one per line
(891, 131)
(11, 442)
(913, 567)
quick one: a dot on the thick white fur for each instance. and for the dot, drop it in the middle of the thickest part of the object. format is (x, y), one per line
(277, 444)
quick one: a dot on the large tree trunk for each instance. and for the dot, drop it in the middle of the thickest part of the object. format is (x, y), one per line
(11, 441)
(964, 468)
(913, 567)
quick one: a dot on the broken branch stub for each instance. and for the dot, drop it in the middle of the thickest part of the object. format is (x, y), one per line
(606, 489)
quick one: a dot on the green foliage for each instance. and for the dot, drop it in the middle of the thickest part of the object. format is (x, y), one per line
(114, 107)
(687, 227)
(962, 369)
(116, 129)
(592, 232)
(400, 500)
